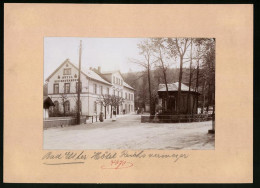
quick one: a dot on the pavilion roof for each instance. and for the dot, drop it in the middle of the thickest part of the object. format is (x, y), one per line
(174, 87)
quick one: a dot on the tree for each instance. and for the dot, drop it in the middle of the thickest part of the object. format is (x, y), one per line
(115, 102)
(161, 56)
(208, 65)
(104, 100)
(145, 48)
(190, 78)
(178, 48)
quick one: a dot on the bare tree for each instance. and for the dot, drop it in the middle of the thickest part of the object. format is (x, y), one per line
(146, 51)
(161, 56)
(104, 100)
(116, 101)
(178, 48)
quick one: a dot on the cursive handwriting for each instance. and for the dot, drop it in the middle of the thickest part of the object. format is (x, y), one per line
(116, 158)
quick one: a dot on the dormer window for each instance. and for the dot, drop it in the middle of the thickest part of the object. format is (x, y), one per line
(67, 71)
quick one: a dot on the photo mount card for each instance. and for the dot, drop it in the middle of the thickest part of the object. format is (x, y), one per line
(106, 160)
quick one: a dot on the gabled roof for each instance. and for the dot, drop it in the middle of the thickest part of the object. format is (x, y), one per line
(112, 72)
(174, 87)
(88, 73)
(128, 86)
(92, 75)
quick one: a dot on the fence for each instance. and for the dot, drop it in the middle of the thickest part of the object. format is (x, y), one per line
(175, 118)
(61, 121)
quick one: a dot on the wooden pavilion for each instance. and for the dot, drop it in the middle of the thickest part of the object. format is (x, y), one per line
(186, 106)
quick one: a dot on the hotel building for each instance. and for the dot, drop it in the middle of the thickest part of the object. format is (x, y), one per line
(62, 87)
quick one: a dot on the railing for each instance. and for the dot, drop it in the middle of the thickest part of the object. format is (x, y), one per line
(175, 118)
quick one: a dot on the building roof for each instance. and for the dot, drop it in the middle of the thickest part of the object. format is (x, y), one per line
(128, 86)
(93, 75)
(89, 73)
(112, 72)
(174, 87)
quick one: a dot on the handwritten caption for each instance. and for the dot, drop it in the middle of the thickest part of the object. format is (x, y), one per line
(114, 160)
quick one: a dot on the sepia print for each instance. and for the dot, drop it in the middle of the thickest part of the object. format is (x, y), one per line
(129, 93)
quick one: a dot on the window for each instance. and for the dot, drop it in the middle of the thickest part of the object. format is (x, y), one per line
(101, 90)
(79, 88)
(118, 93)
(95, 106)
(114, 92)
(129, 96)
(95, 88)
(108, 91)
(125, 95)
(114, 79)
(67, 88)
(121, 94)
(56, 106)
(67, 106)
(67, 71)
(56, 88)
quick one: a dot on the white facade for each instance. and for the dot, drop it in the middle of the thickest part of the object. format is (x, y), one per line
(62, 84)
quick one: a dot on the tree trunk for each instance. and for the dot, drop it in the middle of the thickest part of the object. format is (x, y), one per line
(188, 100)
(197, 85)
(166, 85)
(209, 98)
(111, 112)
(179, 88)
(203, 92)
(150, 92)
(105, 112)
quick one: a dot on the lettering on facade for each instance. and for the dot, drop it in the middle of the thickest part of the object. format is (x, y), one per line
(66, 80)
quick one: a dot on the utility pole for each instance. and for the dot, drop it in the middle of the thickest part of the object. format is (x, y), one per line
(79, 85)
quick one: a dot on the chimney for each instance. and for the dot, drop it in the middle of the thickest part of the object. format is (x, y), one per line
(99, 69)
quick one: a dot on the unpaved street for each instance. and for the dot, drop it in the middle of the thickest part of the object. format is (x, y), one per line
(129, 133)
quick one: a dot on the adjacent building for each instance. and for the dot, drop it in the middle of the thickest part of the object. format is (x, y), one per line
(62, 87)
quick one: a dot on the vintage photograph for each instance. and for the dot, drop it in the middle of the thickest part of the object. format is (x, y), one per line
(129, 93)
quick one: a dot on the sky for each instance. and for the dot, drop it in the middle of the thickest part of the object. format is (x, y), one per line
(109, 53)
